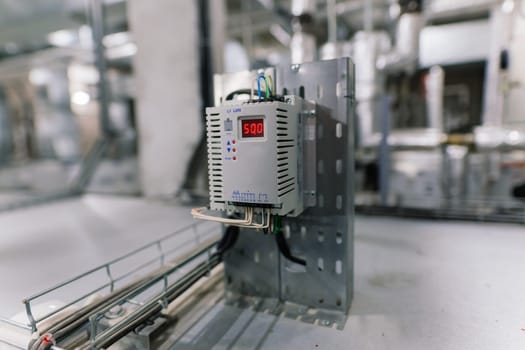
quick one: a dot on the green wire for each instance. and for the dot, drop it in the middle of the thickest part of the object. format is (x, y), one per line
(276, 224)
(267, 87)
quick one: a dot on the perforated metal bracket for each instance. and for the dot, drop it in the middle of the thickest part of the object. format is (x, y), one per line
(323, 234)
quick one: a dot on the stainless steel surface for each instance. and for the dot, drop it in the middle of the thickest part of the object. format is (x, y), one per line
(419, 285)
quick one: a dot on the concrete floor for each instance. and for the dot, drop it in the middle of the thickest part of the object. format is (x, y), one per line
(44, 245)
(419, 284)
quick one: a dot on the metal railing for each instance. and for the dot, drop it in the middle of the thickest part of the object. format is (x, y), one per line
(476, 209)
(192, 235)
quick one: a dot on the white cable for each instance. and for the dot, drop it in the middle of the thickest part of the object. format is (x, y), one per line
(198, 214)
(247, 222)
(263, 224)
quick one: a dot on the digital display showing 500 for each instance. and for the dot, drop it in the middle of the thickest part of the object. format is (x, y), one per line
(252, 127)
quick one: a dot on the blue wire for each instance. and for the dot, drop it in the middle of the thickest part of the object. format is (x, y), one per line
(269, 87)
(259, 87)
(261, 76)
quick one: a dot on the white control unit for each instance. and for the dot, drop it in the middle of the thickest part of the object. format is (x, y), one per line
(255, 155)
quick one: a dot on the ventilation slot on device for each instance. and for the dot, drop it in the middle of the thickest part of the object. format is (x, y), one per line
(215, 161)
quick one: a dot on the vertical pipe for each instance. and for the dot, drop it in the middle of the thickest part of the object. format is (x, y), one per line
(384, 151)
(96, 15)
(332, 20)
(368, 15)
(303, 45)
(435, 86)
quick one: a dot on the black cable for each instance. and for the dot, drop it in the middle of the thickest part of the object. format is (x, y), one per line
(285, 250)
(231, 234)
(232, 94)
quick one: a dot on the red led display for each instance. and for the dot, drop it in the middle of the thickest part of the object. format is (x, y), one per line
(252, 127)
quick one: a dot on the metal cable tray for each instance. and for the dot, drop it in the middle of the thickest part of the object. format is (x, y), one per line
(150, 281)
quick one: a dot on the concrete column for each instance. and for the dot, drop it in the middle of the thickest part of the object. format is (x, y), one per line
(166, 68)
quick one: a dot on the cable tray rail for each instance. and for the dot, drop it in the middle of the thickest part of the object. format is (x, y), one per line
(117, 272)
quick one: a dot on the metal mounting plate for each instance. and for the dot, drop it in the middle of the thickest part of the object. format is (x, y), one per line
(323, 234)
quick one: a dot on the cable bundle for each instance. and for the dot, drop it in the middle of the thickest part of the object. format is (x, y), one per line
(247, 221)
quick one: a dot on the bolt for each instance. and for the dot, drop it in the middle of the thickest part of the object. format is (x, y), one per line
(115, 312)
(295, 67)
(326, 323)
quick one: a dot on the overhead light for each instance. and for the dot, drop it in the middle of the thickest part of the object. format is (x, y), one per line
(62, 38)
(80, 98)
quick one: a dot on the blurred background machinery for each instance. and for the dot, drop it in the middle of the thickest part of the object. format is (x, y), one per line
(439, 93)
(109, 97)
(439, 125)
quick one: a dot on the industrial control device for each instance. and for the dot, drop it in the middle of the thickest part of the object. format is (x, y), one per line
(255, 155)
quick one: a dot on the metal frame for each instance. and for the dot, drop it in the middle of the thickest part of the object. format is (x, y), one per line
(323, 234)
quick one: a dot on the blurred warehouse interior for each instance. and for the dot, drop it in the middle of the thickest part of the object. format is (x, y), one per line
(439, 93)
(116, 116)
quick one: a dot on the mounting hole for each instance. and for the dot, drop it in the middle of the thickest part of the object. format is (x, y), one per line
(287, 231)
(229, 279)
(320, 131)
(320, 167)
(338, 267)
(339, 166)
(339, 202)
(319, 91)
(339, 130)
(320, 201)
(338, 237)
(321, 301)
(338, 302)
(303, 232)
(301, 91)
